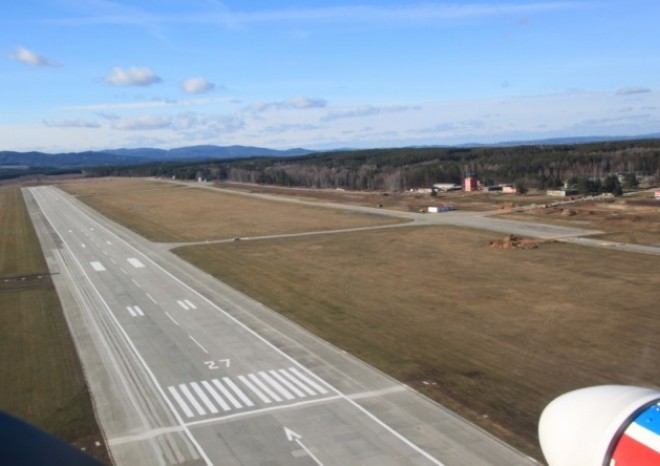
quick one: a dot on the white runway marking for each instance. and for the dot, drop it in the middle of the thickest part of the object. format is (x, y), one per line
(214, 396)
(97, 266)
(254, 389)
(198, 344)
(135, 263)
(192, 306)
(104, 252)
(171, 318)
(151, 298)
(135, 311)
(218, 399)
(183, 305)
(239, 393)
(109, 243)
(135, 282)
(195, 404)
(308, 380)
(277, 386)
(263, 387)
(184, 407)
(83, 245)
(205, 399)
(123, 271)
(229, 396)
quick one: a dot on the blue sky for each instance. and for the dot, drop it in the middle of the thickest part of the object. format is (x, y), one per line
(94, 74)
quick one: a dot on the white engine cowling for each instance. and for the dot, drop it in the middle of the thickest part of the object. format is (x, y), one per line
(609, 425)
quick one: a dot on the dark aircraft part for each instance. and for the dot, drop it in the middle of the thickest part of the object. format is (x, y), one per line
(22, 444)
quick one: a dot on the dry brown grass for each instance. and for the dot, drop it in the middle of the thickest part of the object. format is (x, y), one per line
(171, 213)
(402, 201)
(628, 221)
(42, 381)
(494, 334)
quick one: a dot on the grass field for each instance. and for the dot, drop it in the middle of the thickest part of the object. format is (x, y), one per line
(494, 334)
(171, 213)
(42, 381)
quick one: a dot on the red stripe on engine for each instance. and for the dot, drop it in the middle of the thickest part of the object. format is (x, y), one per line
(630, 452)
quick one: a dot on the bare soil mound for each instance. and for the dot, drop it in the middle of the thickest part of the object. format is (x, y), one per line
(515, 242)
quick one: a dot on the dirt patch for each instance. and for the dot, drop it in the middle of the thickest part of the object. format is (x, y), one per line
(516, 242)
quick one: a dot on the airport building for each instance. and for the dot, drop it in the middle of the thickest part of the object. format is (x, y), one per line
(471, 183)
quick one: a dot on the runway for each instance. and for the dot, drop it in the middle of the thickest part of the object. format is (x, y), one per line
(185, 370)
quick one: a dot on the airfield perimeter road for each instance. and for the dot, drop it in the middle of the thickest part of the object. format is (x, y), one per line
(185, 370)
(478, 220)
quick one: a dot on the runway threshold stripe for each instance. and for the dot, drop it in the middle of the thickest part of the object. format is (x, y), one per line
(276, 385)
(138, 310)
(183, 305)
(254, 389)
(218, 399)
(309, 381)
(202, 396)
(195, 404)
(264, 387)
(182, 404)
(286, 374)
(131, 311)
(239, 393)
(226, 393)
(299, 393)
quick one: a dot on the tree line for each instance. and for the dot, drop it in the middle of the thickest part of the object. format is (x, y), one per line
(533, 166)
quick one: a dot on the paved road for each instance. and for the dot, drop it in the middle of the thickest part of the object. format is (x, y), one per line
(185, 370)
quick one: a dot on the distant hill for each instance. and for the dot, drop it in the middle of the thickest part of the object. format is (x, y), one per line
(67, 160)
(207, 152)
(118, 157)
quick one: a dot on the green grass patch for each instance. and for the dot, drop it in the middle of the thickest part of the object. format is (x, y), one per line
(42, 381)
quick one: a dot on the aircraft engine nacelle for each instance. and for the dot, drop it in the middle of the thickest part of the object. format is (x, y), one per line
(609, 425)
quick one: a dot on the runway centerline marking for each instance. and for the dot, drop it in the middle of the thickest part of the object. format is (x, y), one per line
(198, 344)
(171, 318)
(151, 298)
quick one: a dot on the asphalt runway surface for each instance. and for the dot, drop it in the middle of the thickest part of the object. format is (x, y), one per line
(186, 370)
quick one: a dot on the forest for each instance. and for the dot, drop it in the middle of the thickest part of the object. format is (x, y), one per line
(528, 166)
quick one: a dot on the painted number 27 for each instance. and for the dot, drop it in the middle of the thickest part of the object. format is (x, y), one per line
(214, 364)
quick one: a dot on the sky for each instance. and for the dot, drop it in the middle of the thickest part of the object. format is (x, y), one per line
(81, 75)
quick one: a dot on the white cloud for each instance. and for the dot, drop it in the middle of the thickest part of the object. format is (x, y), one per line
(143, 122)
(31, 58)
(71, 124)
(197, 85)
(149, 104)
(191, 123)
(133, 76)
(367, 110)
(632, 90)
(293, 103)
